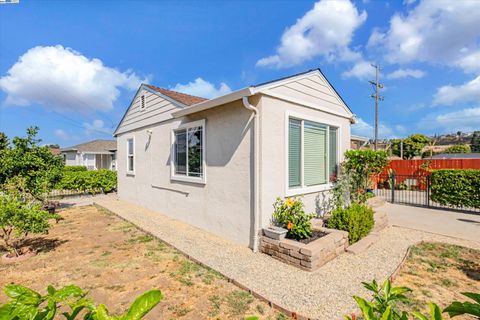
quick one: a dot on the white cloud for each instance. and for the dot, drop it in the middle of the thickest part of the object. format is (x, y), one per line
(468, 92)
(326, 30)
(61, 134)
(362, 70)
(62, 79)
(365, 129)
(97, 126)
(470, 62)
(404, 73)
(408, 2)
(463, 120)
(433, 31)
(202, 88)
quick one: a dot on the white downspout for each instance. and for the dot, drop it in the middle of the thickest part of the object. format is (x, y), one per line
(256, 189)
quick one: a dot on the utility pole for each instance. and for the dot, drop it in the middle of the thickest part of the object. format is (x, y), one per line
(376, 86)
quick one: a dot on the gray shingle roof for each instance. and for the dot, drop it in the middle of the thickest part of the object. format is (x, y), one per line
(95, 146)
(457, 156)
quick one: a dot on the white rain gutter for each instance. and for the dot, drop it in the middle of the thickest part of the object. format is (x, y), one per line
(256, 190)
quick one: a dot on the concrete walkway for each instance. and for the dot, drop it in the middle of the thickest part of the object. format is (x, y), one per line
(323, 294)
(449, 223)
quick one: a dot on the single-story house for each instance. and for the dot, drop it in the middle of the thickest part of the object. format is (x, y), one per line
(220, 164)
(96, 154)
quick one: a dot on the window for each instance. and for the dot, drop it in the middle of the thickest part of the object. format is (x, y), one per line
(188, 152)
(312, 154)
(130, 156)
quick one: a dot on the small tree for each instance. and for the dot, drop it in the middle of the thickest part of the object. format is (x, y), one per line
(412, 146)
(459, 148)
(25, 158)
(20, 215)
(476, 141)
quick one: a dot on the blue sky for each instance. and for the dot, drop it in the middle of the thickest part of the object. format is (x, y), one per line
(72, 67)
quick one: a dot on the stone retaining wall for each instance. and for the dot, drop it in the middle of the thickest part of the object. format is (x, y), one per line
(309, 256)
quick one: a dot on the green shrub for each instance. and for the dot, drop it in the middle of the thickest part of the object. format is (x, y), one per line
(289, 214)
(459, 148)
(70, 302)
(74, 168)
(93, 181)
(456, 187)
(357, 220)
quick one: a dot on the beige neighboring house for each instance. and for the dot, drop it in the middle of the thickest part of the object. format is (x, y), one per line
(220, 164)
(96, 154)
(358, 142)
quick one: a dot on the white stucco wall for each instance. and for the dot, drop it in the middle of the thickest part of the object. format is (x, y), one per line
(273, 151)
(222, 205)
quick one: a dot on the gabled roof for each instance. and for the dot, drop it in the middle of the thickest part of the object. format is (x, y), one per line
(254, 89)
(183, 98)
(95, 146)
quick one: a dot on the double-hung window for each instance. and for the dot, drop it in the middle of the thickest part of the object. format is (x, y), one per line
(312, 155)
(130, 156)
(188, 158)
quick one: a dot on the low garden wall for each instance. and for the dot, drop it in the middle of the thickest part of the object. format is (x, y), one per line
(309, 256)
(315, 254)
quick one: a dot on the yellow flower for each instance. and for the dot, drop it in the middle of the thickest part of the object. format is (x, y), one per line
(289, 202)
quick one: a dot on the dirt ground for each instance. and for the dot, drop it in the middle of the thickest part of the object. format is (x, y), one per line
(116, 262)
(439, 272)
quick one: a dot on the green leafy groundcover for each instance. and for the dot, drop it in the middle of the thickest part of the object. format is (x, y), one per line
(456, 187)
(93, 181)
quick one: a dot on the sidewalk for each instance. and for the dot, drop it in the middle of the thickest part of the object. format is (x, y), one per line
(444, 222)
(323, 294)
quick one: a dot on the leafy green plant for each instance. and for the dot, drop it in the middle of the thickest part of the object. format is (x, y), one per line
(27, 304)
(475, 143)
(357, 220)
(93, 181)
(290, 214)
(456, 187)
(24, 158)
(457, 308)
(412, 146)
(74, 168)
(459, 148)
(20, 215)
(435, 313)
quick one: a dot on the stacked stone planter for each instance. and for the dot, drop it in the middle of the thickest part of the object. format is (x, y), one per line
(309, 256)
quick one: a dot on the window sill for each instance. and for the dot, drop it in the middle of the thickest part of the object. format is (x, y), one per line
(131, 174)
(188, 179)
(307, 190)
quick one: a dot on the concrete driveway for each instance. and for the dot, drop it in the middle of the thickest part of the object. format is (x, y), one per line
(449, 223)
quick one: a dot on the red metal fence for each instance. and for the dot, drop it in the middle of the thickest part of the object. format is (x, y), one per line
(413, 167)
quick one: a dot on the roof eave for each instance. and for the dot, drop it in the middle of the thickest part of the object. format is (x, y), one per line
(208, 104)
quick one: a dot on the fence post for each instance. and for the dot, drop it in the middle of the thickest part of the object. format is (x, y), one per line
(392, 184)
(428, 191)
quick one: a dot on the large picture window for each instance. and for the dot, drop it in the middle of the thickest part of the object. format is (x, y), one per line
(312, 153)
(188, 152)
(130, 156)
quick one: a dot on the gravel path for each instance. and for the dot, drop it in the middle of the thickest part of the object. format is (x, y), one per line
(323, 294)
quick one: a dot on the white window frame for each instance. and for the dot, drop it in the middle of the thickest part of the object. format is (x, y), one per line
(289, 192)
(176, 177)
(131, 172)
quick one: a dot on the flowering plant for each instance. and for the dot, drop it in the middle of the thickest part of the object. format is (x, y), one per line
(289, 214)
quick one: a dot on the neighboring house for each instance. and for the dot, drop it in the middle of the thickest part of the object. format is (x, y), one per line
(220, 164)
(357, 142)
(96, 154)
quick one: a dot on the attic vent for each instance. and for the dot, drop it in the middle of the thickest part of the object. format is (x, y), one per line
(143, 102)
